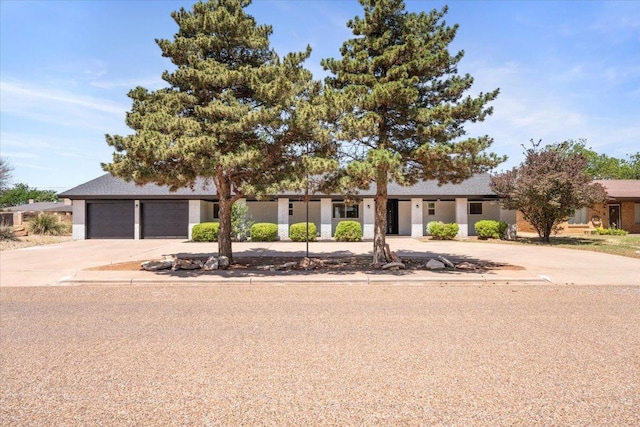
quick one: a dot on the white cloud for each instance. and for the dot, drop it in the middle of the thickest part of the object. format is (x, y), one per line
(20, 92)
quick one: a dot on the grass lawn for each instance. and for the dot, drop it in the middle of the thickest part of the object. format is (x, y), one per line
(628, 246)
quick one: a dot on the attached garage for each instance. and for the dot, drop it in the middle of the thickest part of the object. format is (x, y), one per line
(164, 219)
(110, 219)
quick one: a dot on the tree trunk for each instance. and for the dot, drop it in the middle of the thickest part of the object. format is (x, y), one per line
(226, 203)
(380, 228)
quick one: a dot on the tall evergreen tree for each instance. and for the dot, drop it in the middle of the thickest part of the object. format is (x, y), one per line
(404, 105)
(235, 113)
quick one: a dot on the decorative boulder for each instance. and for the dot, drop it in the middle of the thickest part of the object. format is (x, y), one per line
(445, 261)
(156, 265)
(186, 264)
(223, 262)
(393, 266)
(435, 265)
(210, 264)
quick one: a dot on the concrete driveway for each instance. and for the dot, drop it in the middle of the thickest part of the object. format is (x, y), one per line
(66, 263)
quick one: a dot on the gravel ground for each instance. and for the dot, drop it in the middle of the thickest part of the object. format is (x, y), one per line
(320, 355)
(32, 240)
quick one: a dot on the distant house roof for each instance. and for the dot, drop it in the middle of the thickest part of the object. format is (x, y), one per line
(621, 188)
(41, 207)
(110, 187)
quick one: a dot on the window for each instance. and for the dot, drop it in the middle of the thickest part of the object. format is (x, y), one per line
(216, 211)
(342, 210)
(290, 209)
(431, 208)
(475, 208)
(637, 213)
(579, 216)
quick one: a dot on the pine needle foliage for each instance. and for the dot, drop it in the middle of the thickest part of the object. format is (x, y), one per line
(402, 105)
(234, 112)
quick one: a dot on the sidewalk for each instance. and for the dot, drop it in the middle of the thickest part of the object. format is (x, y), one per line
(67, 263)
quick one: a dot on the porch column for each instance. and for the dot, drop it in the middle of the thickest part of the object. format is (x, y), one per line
(325, 218)
(368, 218)
(136, 219)
(283, 218)
(195, 216)
(462, 217)
(417, 228)
(79, 231)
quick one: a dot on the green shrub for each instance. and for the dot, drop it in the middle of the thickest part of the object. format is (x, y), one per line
(298, 232)
(264, 232)
(348, 231)
(47, 224)
(490, 229)
(205, 232)
(441, 231)
(611, 232)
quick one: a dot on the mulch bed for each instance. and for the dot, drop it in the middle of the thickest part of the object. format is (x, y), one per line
(329, 264)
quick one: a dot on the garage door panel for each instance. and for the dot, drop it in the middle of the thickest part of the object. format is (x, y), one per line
(110, 220)
(166, 220)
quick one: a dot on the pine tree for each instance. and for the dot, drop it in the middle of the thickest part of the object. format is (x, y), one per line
(235, 113)
(403, 105)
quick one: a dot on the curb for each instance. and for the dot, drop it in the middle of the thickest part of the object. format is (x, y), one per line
(331, 281)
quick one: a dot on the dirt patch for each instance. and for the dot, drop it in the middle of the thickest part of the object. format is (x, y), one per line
(353, 263)
(32, 240)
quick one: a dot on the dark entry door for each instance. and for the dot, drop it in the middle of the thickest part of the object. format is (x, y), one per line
(165, 219)
(614, 216)
(110, 219)
(392, 216)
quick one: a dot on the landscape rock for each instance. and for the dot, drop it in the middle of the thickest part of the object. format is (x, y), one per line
(223, 261)
(287, 266)
(186, 264)
(266, 267)
(467, 266)
(445, 261)
(156, 265)
(433, 264)
(393, 266)
(511, 233)
(210, 264)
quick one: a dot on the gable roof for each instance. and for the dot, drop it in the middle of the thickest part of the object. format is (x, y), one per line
(621, 188)
(109, 187)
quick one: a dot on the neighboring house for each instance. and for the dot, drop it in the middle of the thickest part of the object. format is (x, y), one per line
(622, 210)
(20, 213)
(108, 207)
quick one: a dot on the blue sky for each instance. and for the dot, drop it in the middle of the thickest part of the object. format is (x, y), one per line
(566, 70)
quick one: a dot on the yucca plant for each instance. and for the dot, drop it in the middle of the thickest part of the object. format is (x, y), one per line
(47, 224)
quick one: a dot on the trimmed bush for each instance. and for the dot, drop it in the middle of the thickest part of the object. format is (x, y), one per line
(47, 224)
(264, 232)
(441, 231)
(490, 229)
(298, 232)
(611, 232)
(205, 232)
(348, 231)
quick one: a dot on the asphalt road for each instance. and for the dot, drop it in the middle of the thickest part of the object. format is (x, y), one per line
(320, 355)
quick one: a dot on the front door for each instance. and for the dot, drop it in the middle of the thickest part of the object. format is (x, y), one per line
(392, 216)
(614, 216)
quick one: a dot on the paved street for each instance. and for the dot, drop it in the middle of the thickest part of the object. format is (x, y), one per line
(556, 342)
(320, 355)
